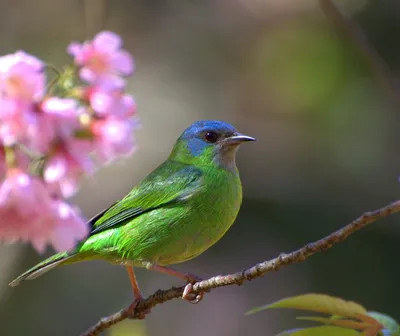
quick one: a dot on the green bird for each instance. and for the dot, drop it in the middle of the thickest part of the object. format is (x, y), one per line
(176, 213)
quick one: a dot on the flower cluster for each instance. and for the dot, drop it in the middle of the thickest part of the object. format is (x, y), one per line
(53, 134)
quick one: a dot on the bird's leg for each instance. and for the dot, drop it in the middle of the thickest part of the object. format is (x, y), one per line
(136, 292)
(135, 286)
(190, 278)
(178, 274)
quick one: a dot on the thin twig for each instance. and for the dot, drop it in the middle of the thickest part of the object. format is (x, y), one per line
(354, 34)
(258, 270)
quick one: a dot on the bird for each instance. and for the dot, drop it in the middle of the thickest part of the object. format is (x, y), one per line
(174, 214)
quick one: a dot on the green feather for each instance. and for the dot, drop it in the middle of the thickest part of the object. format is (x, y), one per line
(172, 182)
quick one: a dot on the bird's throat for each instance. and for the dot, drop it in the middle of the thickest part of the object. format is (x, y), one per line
(226, 158)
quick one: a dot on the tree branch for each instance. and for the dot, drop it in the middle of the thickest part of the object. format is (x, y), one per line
(258, 270)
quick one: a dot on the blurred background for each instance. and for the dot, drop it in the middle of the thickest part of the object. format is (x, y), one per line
(325, 112)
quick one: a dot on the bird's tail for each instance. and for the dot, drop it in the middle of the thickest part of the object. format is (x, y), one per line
(43, 267)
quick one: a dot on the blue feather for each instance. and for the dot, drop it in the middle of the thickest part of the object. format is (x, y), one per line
(193, 134)
(196, 146)
(207, 125)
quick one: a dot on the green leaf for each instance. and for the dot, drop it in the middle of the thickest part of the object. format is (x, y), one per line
(321, 331)
(318, 303)
(344, 323)
(388, 322)
(289, 332)
(129, 328)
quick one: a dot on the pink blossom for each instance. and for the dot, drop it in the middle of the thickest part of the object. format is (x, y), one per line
(102, 60)
(62, 173)
(22, 77)
(23, 200)
(8, 61)
(70, 134)
(113, 138)
(70, 156)
(69, 162)
(62, 227)
(22, 83)
(16, 119)
(114, 103)
(56, 119)
(64, 112)
(19, 187)
(28, 213)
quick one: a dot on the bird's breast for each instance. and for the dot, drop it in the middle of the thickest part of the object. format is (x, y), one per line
(209, 215)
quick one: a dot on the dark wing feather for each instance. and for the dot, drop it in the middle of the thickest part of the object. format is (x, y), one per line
(171, 183)
(116, 219)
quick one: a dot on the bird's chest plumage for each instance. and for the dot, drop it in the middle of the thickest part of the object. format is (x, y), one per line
(218, 203)
(209, 214)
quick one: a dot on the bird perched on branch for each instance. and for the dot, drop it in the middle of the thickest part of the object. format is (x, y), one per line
(176, 213)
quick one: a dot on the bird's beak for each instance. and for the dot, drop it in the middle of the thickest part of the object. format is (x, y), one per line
(238, 138)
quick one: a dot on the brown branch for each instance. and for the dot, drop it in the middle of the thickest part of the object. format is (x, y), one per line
(258, 270)
(354, 34)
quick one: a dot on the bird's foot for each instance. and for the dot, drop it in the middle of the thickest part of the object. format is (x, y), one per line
(189, 277)
(187, 293)
(191, 297)
(133, 312)
(192, 278)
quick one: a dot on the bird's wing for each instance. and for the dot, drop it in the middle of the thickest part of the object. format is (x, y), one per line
(170, 184)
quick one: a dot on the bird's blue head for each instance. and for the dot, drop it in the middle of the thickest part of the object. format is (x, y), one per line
(209, 141)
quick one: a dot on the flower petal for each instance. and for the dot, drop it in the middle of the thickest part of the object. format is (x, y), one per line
(107, 41)
(122, 62)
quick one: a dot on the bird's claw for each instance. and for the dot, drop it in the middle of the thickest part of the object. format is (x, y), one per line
(133, 313)
(191, 297)
(192, 278)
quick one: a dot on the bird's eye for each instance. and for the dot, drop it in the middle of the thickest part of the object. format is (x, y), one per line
(211, 137)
